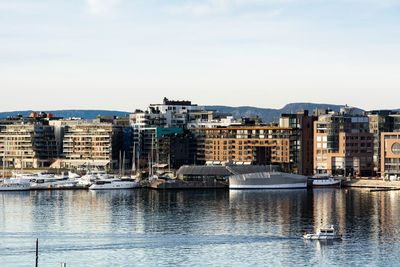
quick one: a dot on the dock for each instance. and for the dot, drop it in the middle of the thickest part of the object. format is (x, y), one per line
(375, 185)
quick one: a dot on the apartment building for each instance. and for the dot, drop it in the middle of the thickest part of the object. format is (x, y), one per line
(209, 119)
(302, 125)
(381, 121)
(258, 145)
(27, 145)
(89, 143)
(390, 155)
(343, 144)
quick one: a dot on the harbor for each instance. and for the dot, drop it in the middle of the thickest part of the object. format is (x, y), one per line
(233, 177)
(155, 227)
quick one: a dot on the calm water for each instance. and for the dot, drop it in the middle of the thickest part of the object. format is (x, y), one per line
(197, 228)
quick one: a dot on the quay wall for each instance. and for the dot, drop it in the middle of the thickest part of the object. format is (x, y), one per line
(371, 183)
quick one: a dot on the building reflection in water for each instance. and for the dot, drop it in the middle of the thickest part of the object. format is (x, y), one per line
(269, 212)
(281, 209)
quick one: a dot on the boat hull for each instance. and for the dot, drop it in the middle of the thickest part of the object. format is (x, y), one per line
(12, 188)
(126, 185)
(322, 238)
(326, 183)
(277, 186)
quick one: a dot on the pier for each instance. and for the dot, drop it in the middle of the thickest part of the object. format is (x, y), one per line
(372, 183)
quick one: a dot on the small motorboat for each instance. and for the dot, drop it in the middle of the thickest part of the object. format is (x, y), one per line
(324, 234)
(324, 180)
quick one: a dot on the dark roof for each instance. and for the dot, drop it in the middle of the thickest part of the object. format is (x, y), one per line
(244, 169)
(204, 170)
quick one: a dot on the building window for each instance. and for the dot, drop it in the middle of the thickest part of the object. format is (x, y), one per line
(396, 148)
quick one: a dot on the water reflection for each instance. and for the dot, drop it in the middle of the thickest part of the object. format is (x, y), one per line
(202, 227)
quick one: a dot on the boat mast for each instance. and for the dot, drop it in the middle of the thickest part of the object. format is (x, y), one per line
(120, 163)
(149, 164)
(22, 161)
(151, 153)
(134, 158)
(169, 162)
(123, 165)
(138, 161)
(4, 157)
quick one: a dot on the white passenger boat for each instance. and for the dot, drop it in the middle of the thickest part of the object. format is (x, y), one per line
(114, 184)
(325, 180)
(15, 184)
(324, 234)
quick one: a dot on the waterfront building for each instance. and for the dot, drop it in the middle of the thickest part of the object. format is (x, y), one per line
(257, 144)
(27, 145)
(390, 155)
(302, 125)
(152, 146)
(381, 121)
(89, 143)
(168, 147)
(176, 148)
(343, 144)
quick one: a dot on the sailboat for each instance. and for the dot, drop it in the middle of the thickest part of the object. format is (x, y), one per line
(135, 171)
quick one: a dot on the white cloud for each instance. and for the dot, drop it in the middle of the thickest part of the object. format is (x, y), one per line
(102, 7)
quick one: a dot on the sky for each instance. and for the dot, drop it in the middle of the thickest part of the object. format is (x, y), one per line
(126, 54)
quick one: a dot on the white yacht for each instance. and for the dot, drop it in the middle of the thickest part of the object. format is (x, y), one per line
(52, 182)
(324, 234)
(325, 180)
(114, 184)
(91, 176)
(15, 184)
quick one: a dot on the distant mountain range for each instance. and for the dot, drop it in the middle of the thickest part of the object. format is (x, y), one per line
(266, 114)
(269, 114)
(79, 113)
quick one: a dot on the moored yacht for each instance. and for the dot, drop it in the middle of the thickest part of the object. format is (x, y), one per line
(91, 176)
(14, 184)
(114, 184)
(52, 182)
(325, 180)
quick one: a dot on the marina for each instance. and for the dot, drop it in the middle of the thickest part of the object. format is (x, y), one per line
(217, 177)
